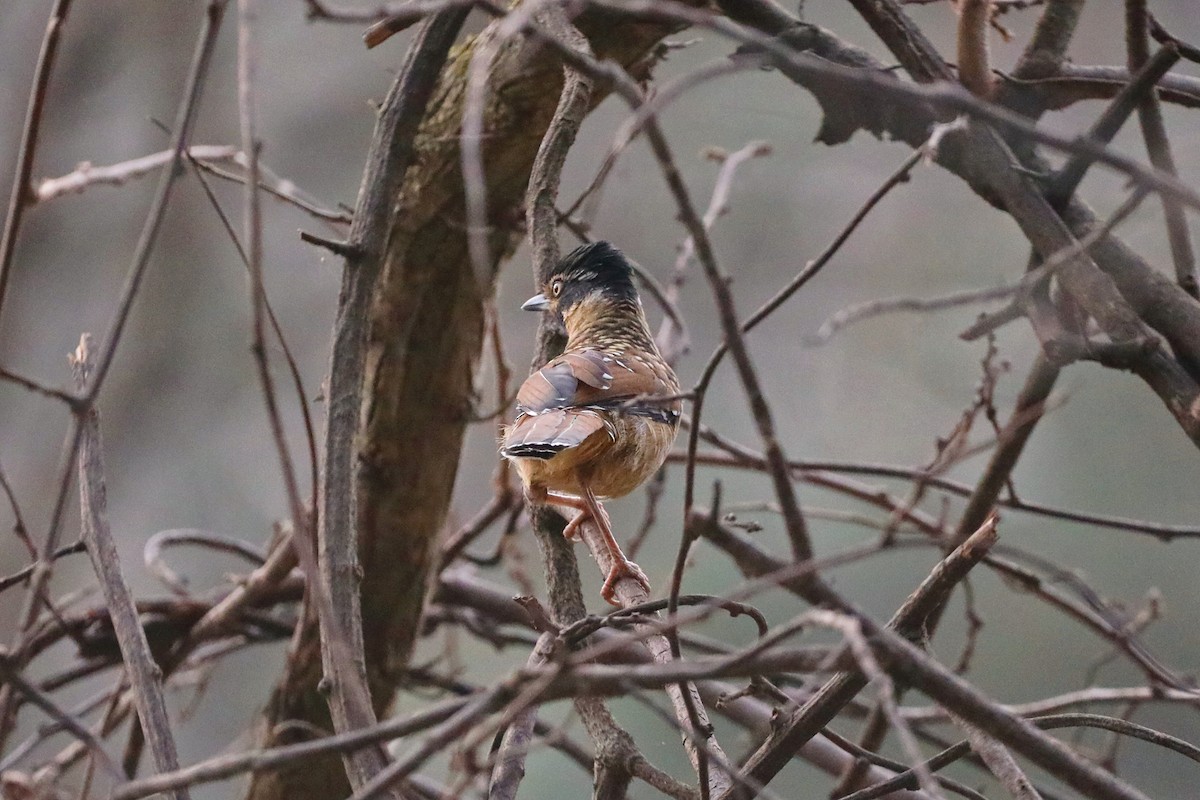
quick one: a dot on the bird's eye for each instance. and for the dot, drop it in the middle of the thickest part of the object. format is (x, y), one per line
(556, 288)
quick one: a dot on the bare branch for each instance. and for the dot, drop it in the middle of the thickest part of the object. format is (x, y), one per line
(811, 471)
(22, 189)
(10, 675)
(38, 388)
(145, 677)
(874, 308)
(87, 174)
(1047, 49)
(397, 126)
(1072, 83)
(509, 766)
(1084, 697)
(750, 712)
(943, 95)
(974, 60)
(1158, 146)
(22, 575)
(227, 766)
(807, 721)
(1067, 179)
(152, 552)
(185, 117)
(671, 337)
(957, 751)
(1000, 762)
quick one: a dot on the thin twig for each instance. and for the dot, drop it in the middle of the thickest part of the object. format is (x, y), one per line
(671, 337)
(665, 94)
(806, 274)
(288, 357)
(227, 766)
(152, 552)
(9, 674)
(184, 120)
(20, 530)
(23, 574)
(144, 675)
(1084, 697)
(957, 751)
(865, 758)
(1158, 146)
(88, 174)
(31, 385)
(21, 195)
(874, 308)
(853, 634)
(810, 470)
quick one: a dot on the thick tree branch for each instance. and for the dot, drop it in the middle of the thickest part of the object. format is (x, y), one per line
(298, 697)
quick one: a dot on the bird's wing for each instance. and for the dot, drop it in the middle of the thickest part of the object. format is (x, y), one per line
(592, 378)
(557, 384)
(568, 400)
(550, 417)
(629, 377)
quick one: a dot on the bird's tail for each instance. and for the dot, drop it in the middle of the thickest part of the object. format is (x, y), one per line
(550, 432)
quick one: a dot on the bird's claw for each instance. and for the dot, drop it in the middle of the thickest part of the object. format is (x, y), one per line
(571, 531)
(622, 568)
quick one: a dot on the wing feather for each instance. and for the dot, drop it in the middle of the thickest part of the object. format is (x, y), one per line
(569, 399)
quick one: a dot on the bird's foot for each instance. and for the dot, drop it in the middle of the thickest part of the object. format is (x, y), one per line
(622, 568)
(571, 532)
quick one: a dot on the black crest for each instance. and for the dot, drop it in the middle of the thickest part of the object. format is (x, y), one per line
(597, 265)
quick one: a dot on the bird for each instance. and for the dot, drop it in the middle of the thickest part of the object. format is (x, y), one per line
(598, 420)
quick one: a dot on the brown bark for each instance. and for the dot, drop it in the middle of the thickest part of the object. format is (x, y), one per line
(426, 331)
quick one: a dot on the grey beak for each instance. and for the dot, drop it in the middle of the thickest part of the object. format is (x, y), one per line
(536, 303)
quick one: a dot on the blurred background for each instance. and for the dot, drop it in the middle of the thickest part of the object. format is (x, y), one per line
(184, 425)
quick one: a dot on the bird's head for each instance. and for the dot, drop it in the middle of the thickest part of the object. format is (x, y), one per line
(595, 278)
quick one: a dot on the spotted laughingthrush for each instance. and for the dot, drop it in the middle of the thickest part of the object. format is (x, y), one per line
(600, 419)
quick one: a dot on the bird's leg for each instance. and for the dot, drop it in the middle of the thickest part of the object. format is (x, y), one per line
(621, 567)
(542, 496)
(571, 501)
